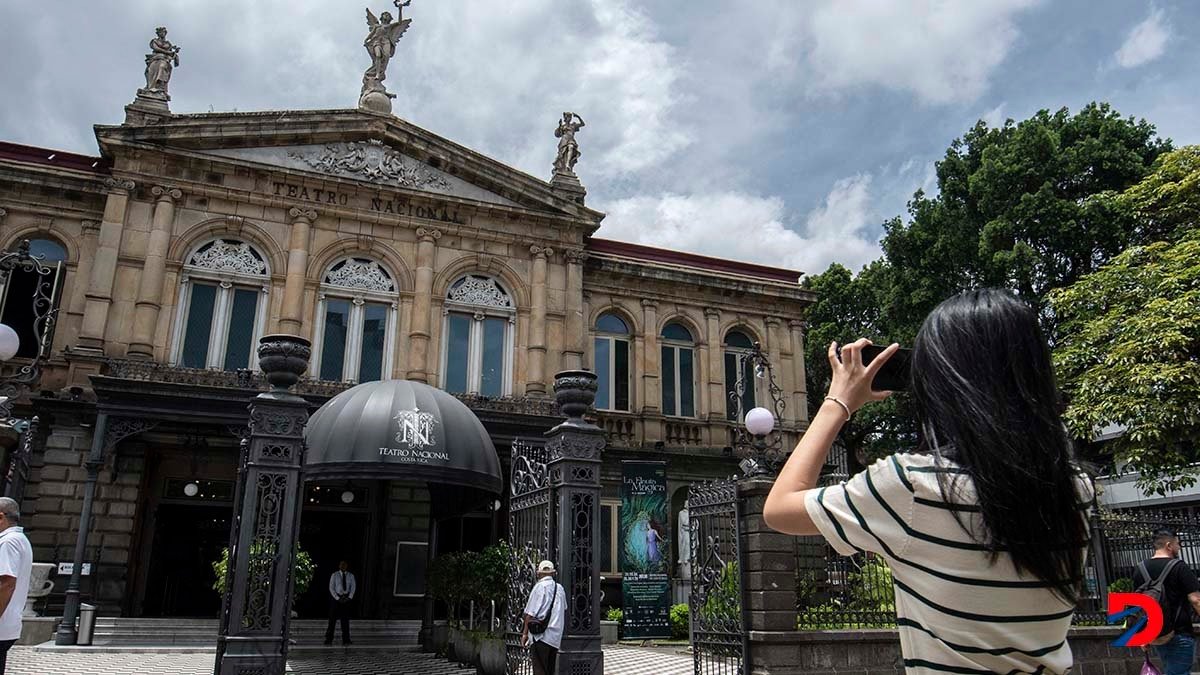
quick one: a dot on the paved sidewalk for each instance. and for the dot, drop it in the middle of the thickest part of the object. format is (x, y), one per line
(618, 660)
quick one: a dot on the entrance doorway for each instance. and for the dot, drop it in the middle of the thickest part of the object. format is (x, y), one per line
(188, 538)
(331, 531)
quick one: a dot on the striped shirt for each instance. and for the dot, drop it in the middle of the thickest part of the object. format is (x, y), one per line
(956, 611)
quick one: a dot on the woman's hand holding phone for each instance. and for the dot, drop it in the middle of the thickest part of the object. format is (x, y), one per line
(851, 382)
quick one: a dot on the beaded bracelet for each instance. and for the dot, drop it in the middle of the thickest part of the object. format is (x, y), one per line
(839, 402)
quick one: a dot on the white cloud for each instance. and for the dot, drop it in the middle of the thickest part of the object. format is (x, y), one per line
(742, 226)
(942, 51)
(1146, 41)
(995, 117)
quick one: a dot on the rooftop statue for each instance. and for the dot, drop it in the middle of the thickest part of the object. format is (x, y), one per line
(381, 46)
(568, 149)
(162, 59)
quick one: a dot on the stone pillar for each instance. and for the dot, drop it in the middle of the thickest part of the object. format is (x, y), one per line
(575, 448)
(717, 404)
(291, 319)
(150, 287)
(576, 336)
(89, 234)
(768, 579)
(535, 376)
(418, 336)
(779, 342)
(799, 382)
(258, 599)
(652, 401)
(104, 266)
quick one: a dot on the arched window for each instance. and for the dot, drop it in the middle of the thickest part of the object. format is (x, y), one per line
(222, 308)
(356, 322)
(678, 371)
(17, 297)
(610, 359)
(478, 337)
(737, 346)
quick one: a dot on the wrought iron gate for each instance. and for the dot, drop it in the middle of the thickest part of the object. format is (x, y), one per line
(531, 537)
(718, 620)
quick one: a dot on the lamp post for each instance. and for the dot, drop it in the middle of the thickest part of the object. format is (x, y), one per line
(757, 440)
(16, 383)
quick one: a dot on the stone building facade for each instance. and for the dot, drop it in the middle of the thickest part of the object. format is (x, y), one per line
(400, 254)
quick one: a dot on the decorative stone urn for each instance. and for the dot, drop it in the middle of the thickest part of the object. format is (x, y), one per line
(575, 392)
(283, 358)
(39, 586)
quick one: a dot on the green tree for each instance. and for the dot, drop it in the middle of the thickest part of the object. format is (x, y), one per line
(1130, 355)
(1167, 201)
(1016, 209)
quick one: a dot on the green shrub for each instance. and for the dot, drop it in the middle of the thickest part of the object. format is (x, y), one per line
(261, 556)
(680, 620)
(724, 601)
(1122, 585)
(614, 614)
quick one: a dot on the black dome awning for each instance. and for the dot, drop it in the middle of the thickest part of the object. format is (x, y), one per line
(401, 429)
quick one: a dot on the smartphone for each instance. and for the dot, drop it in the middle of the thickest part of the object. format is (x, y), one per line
(894, 375)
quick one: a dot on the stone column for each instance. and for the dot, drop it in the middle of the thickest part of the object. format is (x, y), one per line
(257, 605)
(104, 266)
(768, 580)
(89, 233)
(418, 336)
(575, 340)
(717, 404)
(575, 448)
(799, 383)
(150, 287)
(535, 374)
(291, 319)
(652, 401)
(780, 344)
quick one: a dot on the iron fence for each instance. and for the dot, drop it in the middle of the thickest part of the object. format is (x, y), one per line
(836, 592)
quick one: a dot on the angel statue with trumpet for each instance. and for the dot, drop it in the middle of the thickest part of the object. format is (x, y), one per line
(381, 46)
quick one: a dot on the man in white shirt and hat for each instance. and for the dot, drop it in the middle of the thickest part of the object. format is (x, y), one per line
(545, 616)
(341, 589)
(16, 568)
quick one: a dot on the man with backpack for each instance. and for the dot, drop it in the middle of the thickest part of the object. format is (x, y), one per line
(545, 615)
(1170, 581)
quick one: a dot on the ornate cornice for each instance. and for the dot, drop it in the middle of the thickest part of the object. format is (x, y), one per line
(428, 234)
(166, 193)
(299, 213)
(119, 185)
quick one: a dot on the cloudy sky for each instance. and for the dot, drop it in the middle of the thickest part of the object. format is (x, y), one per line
(778, 131)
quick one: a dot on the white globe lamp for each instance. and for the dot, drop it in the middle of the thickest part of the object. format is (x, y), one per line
(191, 489)
(760, 421)
(10, 342)
(347, 496)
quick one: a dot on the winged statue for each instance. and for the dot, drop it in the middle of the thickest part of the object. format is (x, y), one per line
(381, 40)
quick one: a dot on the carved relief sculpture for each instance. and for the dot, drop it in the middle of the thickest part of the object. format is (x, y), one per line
(381, 46)
(160, 62)
(373, 161)
(568, 148)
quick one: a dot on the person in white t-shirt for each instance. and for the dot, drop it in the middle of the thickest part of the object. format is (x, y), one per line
(547, 608)
(16, 567)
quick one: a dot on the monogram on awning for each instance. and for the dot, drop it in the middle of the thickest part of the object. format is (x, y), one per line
(401, 429)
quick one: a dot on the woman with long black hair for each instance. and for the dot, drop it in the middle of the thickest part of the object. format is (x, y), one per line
(985, 530)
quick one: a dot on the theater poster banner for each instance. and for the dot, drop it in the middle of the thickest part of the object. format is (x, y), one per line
(645, 550)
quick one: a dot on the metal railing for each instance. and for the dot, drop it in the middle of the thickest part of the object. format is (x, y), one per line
(836, 592)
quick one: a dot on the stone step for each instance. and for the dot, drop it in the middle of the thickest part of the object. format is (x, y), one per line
(114, 631)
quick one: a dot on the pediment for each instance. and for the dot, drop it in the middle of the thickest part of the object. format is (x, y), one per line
(370, 161)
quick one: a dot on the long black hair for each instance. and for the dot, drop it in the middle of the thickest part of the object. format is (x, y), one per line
(984, 395)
